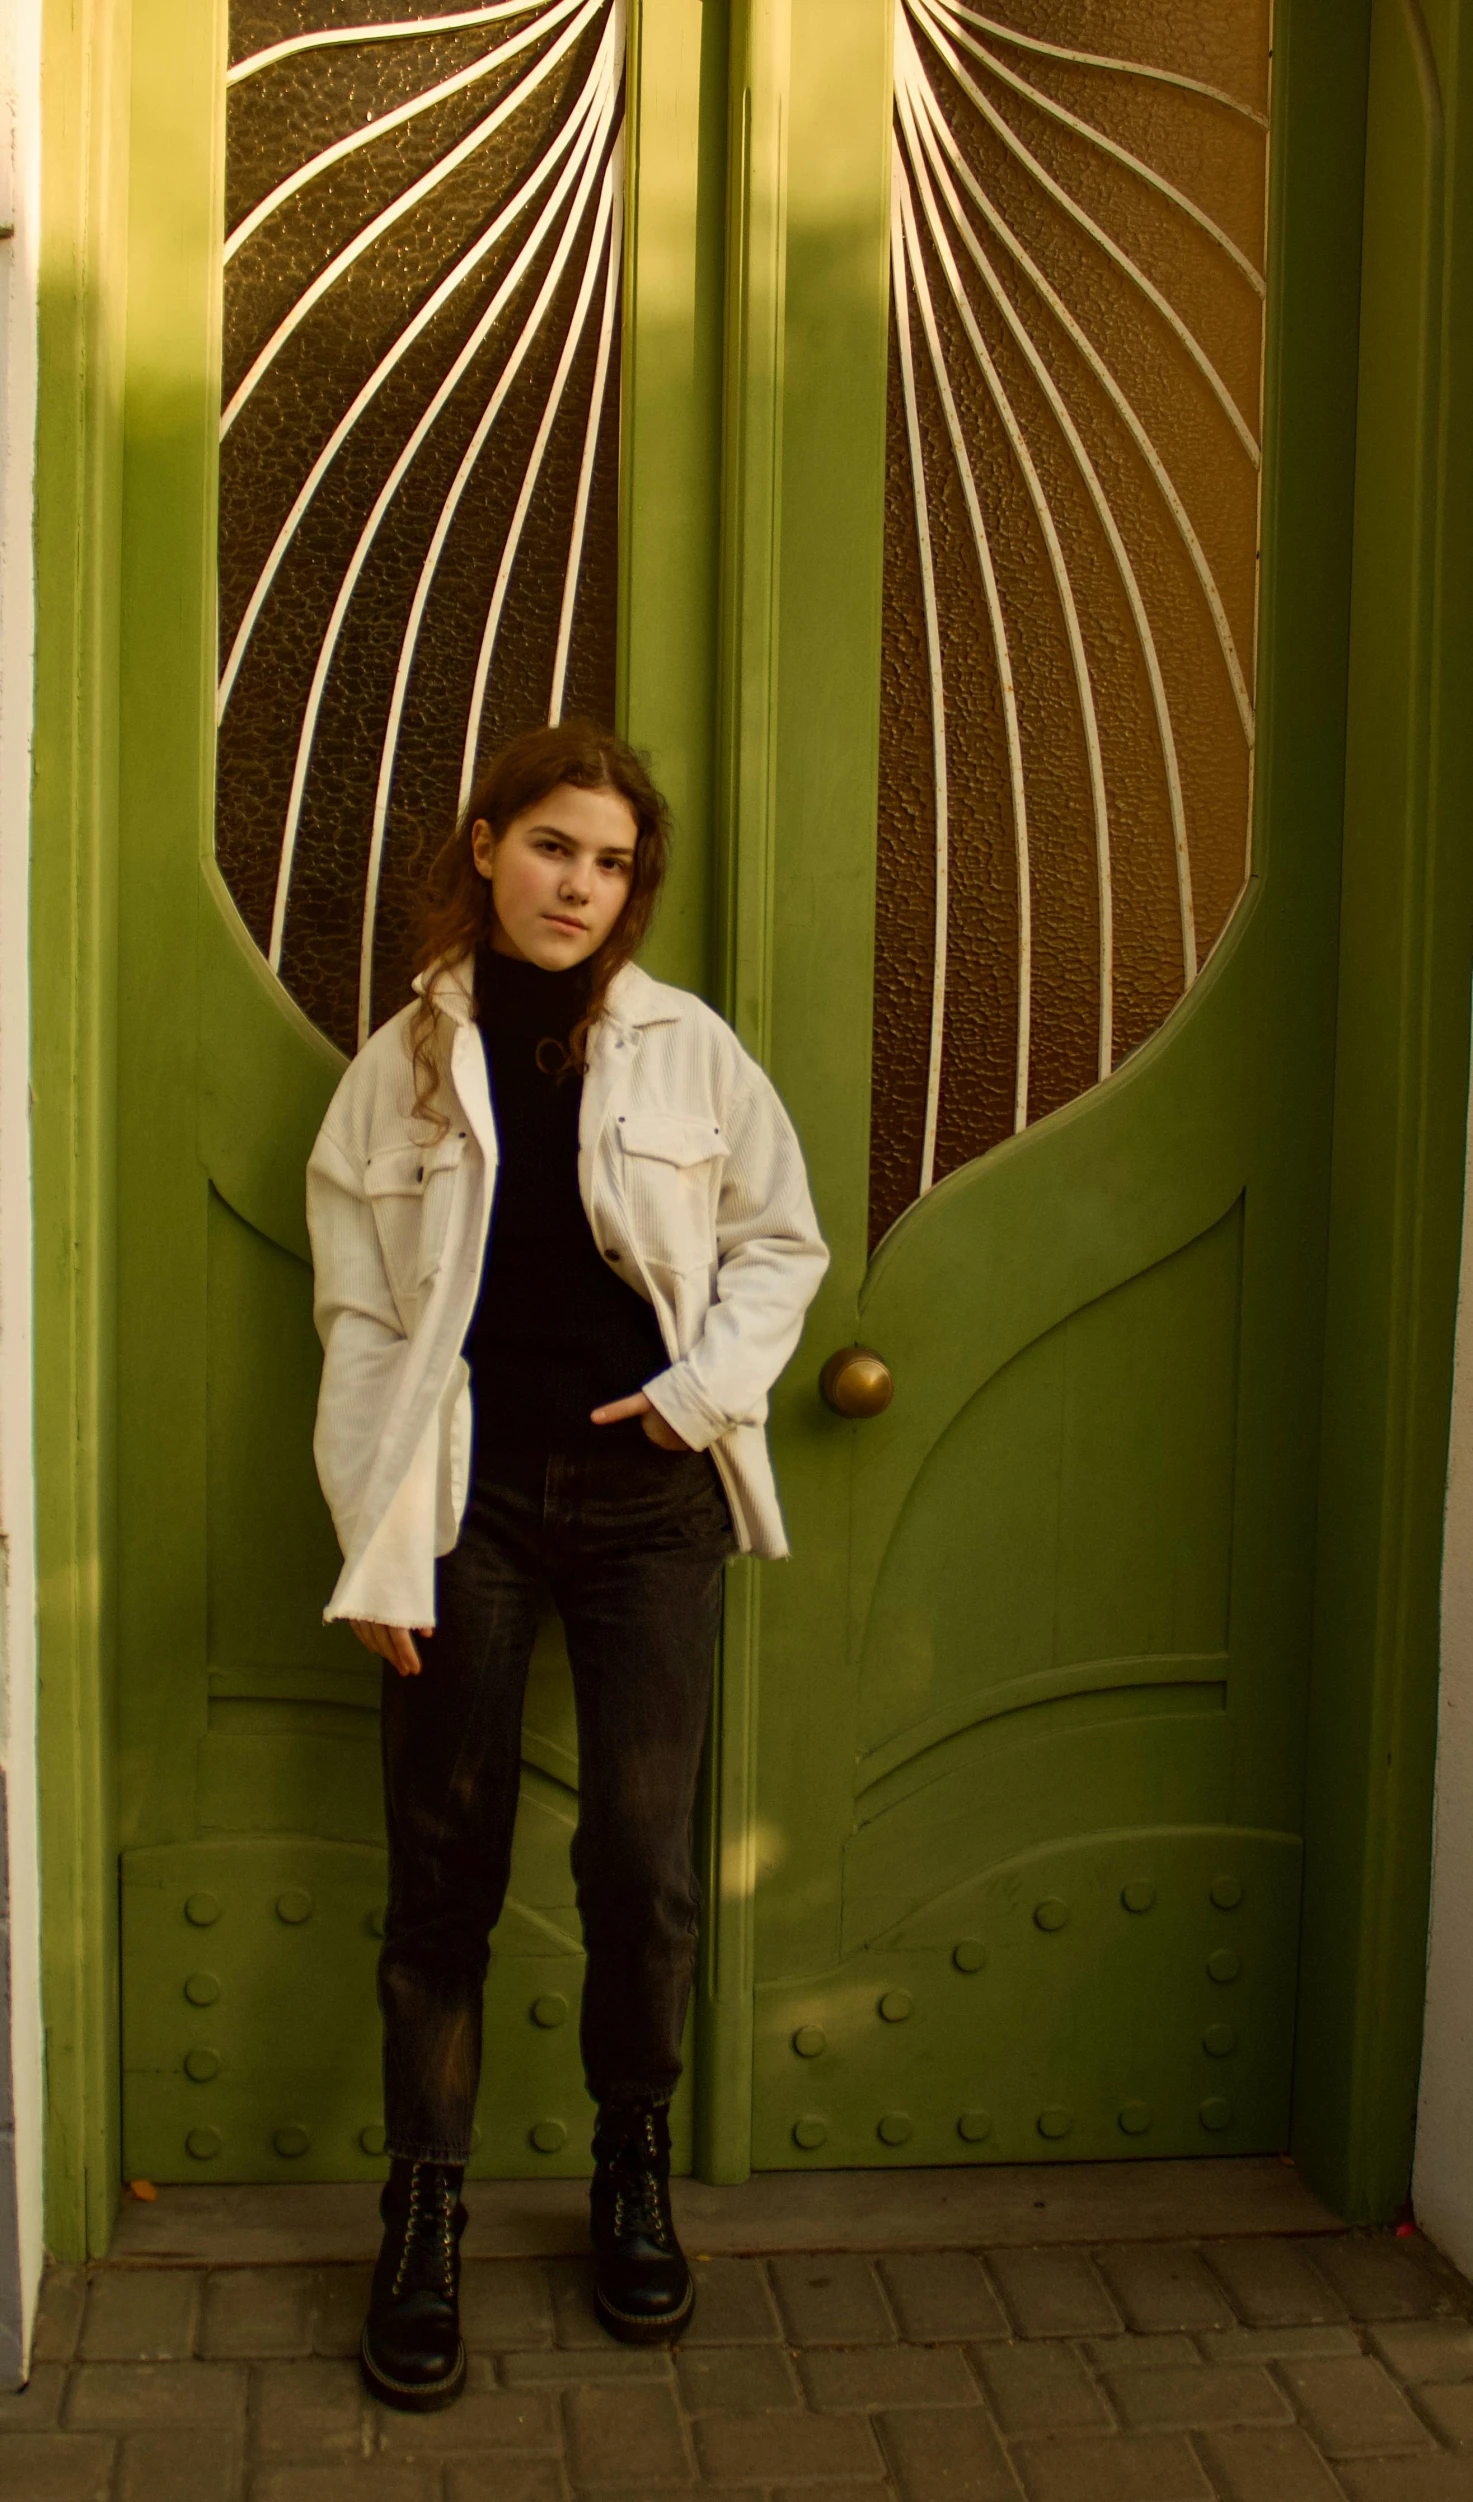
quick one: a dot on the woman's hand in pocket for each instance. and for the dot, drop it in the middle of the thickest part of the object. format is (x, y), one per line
(663, 1435)
(395, 1643)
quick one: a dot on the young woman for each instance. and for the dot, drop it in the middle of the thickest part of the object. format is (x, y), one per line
(563, 1245)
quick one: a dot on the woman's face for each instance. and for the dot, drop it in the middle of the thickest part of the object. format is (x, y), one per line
(559, 875)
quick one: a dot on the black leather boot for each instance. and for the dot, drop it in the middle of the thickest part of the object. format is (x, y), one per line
(411, 2354)
(643, 2292)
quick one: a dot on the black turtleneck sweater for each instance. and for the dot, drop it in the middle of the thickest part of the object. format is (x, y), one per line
(556, 1330)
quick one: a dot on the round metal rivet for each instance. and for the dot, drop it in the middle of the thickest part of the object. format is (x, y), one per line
(1223, 1964)
(1138, 1895)
(202, 1989)
(1227, 1893)
(548, 2136)
(1051, 1913)
(969, 1954)
(295, 1906)
(202, 2143)
(293, 2139)
(809, 2040)
(1219, 2041)
(372, 2139)
(549, 2010)
(1216, 2112)
(376, 1923)
(896, 2127)
(202, 2065)
(810, 2132)
(1136, 2118)
(974, 2126)
(896, 2005)
(1055, 2121)
(203, 1910)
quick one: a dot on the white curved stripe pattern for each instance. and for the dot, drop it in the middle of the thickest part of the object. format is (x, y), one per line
(378, 226)
(582, 167)
(938, 34)
(540, 175)
(1097, 138)
(925, 119)
(936, 683)
(371, 132)
(1108, 61)
(1002, 650)
(322, 36)
(1074, 632)
(597, 400)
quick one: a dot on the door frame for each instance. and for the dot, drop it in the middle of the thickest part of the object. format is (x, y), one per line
(1390, 511)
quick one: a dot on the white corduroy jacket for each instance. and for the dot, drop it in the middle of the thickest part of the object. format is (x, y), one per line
(693, 1183)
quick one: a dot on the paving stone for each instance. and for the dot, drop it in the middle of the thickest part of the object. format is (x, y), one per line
(504, 2303)
(757, 2449)
(517, 2480)
(628, 2436)
(36, 2407)
(1172, 2350)
(308, 2406)
(140, 2315)
(494, 2420)
(1267, 2463)
(946, 2457)
(1039, 2389)
(1353, 2407)
(1420, 2350)
(180, 2467)
(59, 2308)
(1434, 2478)
(1053, 2293)
(1271, 2285)
(251, 2311)
(1164, 2285)
(1450, 2413)
(871, 2376)
(105, 2397)
(56, 2467)
(1192, 2401)
(570, 2288)
(1273, 2345)
(1113, 2467)
(603, 2362)
(1376, 2277)
(830, 2301)
(826, 2492)
(734, 2305)
(365, 2480)
(742, 2379)
(941, 2295)
(339, 2308)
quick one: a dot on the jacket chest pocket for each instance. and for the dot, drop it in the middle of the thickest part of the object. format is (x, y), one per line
(410, 1190)
(672, 1165)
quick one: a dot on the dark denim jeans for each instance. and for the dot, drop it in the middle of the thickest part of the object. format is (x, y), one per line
(630, 1542)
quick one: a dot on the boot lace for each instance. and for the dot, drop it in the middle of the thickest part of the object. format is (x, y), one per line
(427, 2259)
(639, 2200)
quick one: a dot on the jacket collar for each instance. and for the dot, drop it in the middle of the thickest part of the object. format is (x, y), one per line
(634, 999)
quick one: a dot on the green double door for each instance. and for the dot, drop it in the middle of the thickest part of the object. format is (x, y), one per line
(929, 571)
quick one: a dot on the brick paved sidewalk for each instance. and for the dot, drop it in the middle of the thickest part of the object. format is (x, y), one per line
(1268, 2370)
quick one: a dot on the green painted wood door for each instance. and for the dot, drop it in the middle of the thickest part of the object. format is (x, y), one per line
(1026, 1814)
(249, 1800)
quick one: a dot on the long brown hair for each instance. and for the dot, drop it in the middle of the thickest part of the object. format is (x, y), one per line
(458, 916)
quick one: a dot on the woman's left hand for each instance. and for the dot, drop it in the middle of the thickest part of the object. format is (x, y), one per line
(649, 1416)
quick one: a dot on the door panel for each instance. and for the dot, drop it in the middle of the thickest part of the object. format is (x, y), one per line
(1032, 1715)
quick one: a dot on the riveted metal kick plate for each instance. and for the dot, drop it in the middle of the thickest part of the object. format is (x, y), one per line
(1131, 1994)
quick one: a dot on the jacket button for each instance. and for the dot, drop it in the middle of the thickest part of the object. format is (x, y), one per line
(611, 1255)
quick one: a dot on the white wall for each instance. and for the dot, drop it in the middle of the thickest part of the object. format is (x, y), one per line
(1443, 2177)
(20, 126)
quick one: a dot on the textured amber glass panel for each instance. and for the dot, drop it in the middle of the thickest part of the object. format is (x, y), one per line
(418, 469)
(1070, 550)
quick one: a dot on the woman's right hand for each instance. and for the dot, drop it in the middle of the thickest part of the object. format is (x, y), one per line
(392, 1642)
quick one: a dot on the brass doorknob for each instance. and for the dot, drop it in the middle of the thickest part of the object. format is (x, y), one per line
(856, 1382)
